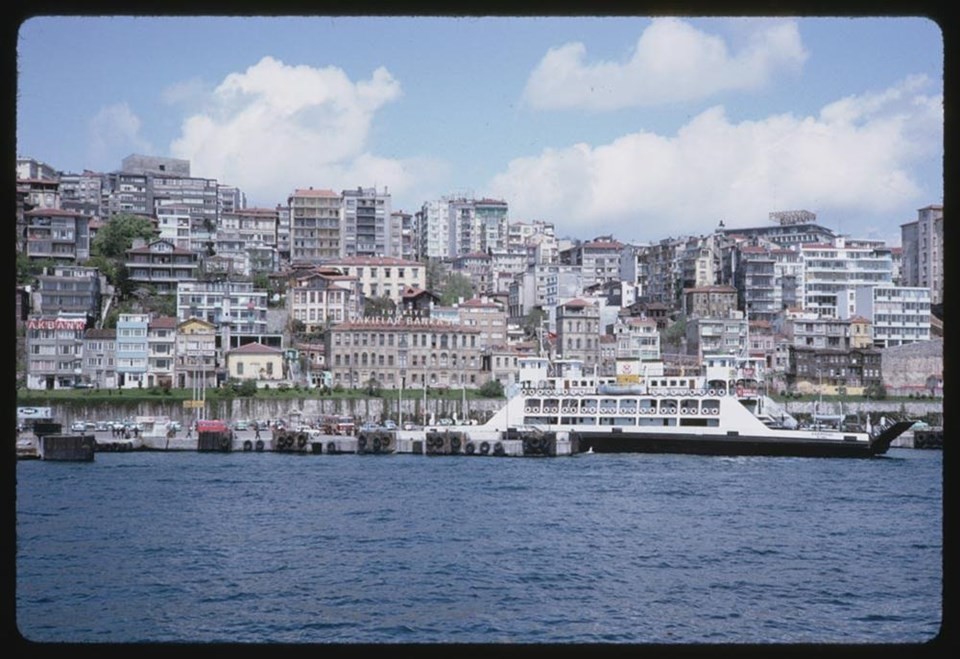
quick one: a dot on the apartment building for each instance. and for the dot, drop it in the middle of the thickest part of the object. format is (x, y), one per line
(478, 268)
(316, 228)
(637, 339)
(578, 332)
(898, 314)
(382, 276)
(161, 351)
(723, 335)
(709, 301)
(829, 371)
(100, 358)
(174, 226)
(922, 252)
(56, 234)
(833, 271)
(755, 280)
(54, 347)
(369, 227)
(161, 266)
(133, 353)
(412, 353)
(809, 330)
(487, 316)
(599, 259)
(324, 296)
(68, 288)
(195, 350)
(235, 307)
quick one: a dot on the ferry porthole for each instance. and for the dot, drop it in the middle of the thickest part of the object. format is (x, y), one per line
(713, 392)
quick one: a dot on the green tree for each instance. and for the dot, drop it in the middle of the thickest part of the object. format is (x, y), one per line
(435, 274)
(247, 388)
(531, 323)
(674, 334)
(491, 389)
(454, 287)
(160, 304)
(28, 269)
(261, 281)
(117, 235)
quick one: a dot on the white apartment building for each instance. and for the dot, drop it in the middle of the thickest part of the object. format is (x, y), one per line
(718, 336)
(161, 351)
(382, 276)
(433, 219)
(899, 314)
(323, 297)
(235, 307)
(173, 224)
(832, 271)
(132, 350)
(638, 339)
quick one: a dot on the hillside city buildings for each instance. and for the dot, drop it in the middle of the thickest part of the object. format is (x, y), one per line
(337, 288)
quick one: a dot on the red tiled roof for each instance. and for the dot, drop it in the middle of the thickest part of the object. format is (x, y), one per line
(97, 333)
(371, 260)
(163, 322)
(255, 349)
(52, 212)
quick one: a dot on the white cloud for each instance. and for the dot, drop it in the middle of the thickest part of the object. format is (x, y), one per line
(854, 160)
(672, 61)
(184, 92)
(274, 128)
(113, 134)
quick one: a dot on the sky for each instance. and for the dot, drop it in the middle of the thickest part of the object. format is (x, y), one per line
(639, 127)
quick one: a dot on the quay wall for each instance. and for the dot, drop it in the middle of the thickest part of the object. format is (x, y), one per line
(365, 409)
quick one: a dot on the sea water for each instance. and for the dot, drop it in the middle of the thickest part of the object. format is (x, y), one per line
(614, 549)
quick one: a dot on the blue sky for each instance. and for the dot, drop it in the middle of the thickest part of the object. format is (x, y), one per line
(641, 127)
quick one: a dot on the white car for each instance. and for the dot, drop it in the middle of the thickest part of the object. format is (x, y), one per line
(78, 426)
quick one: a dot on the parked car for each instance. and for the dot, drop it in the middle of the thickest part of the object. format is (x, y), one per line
(390, 424)
(78, 426)
(241, 425)
(103, 426)
(175, 426)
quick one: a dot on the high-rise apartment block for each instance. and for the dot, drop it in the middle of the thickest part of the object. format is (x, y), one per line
(922, 254)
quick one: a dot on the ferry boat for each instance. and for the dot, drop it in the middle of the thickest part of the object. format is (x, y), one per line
(719, 413)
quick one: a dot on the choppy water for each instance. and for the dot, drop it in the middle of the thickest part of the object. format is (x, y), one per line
(269, 548)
